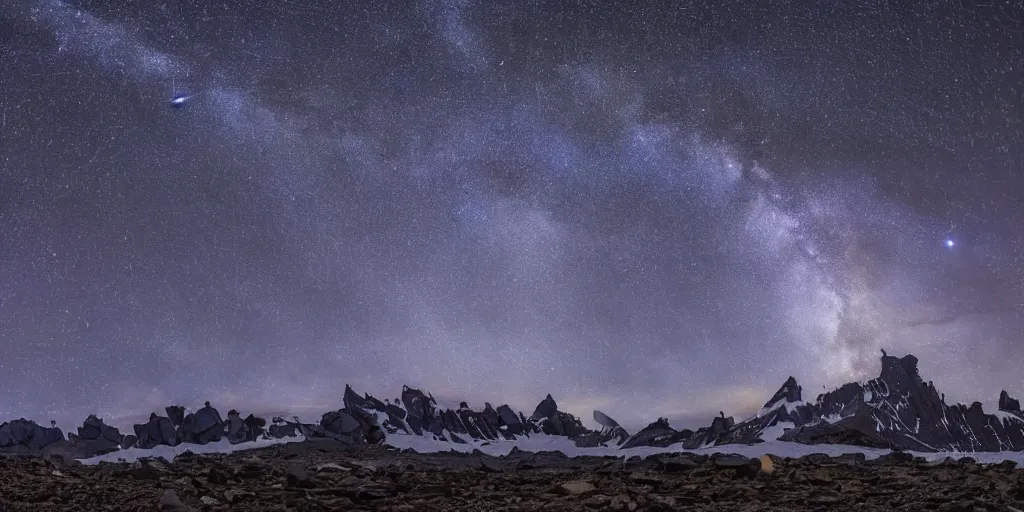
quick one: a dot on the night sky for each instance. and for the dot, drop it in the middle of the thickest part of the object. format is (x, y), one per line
(656, 210)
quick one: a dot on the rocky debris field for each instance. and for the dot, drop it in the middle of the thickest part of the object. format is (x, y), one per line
(327, 475)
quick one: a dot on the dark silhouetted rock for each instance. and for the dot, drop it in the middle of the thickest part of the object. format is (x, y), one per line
(176, 414)
(94, 438)
(610, 432)
(421, 409)
(243, 430)
(548, 419)
(899, 410)
(784, 410)
(28, 435)
(280, 429)
(351, 426)
(1008, 404)
(418, 413)
(157, 431)
(510, 422)
(202, 427)
(342, 426)
(658, 433)
(396, 416)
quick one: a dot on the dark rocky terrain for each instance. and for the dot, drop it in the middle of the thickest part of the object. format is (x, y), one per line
(326, 474)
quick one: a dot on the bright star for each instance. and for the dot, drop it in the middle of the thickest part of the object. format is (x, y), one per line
(950, 243)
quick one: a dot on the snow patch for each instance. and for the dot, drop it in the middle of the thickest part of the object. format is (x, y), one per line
(831, 418)
(775, 431)
(1005, 417)
(541, 442)
(789, 406)
(170, 452)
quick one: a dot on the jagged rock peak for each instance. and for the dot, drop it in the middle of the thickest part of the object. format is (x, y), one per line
(604, 420)
(789, 392)
(900, 373)
(1008, 404)
(545, 409)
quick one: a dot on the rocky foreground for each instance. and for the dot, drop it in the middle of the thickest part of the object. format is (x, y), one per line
(328, 475)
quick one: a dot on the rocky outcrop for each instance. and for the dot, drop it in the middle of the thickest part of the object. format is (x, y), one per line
(611, 433)
(393, 416)
(157, 431)
(419, 413)
(201, 427)
(784, 410)
(1008, 404)
(243, 430)
(710, 435)
(897, 410)
(26, 435)
(95, 437)
(549, 420)
(281, 428)
(352, 426)
(658, 433)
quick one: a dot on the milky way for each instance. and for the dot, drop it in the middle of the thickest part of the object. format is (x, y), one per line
(657, 211)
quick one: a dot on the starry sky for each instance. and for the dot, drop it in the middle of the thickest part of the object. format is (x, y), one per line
(661, 209)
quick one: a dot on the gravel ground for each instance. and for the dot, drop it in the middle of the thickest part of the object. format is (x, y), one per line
(320, 475)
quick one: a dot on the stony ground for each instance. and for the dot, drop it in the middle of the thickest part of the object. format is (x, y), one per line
(314, 476)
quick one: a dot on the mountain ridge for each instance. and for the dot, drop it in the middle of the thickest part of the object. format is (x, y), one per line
(897, 410)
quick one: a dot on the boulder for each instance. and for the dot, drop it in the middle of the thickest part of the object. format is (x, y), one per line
(202, 427)
(157, 431)
(243, 430)
(342, 426)
(351, 426)
(280, 429)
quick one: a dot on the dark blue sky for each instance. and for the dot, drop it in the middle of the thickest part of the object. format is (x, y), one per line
(656, 210)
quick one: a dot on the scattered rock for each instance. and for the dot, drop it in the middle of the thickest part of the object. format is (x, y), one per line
(744, 466)
(622, 502)
(282, 477)
(298, 477)
(577, 488)
(489, 465)
(677, 463)
(170, 502)
(331, 467)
